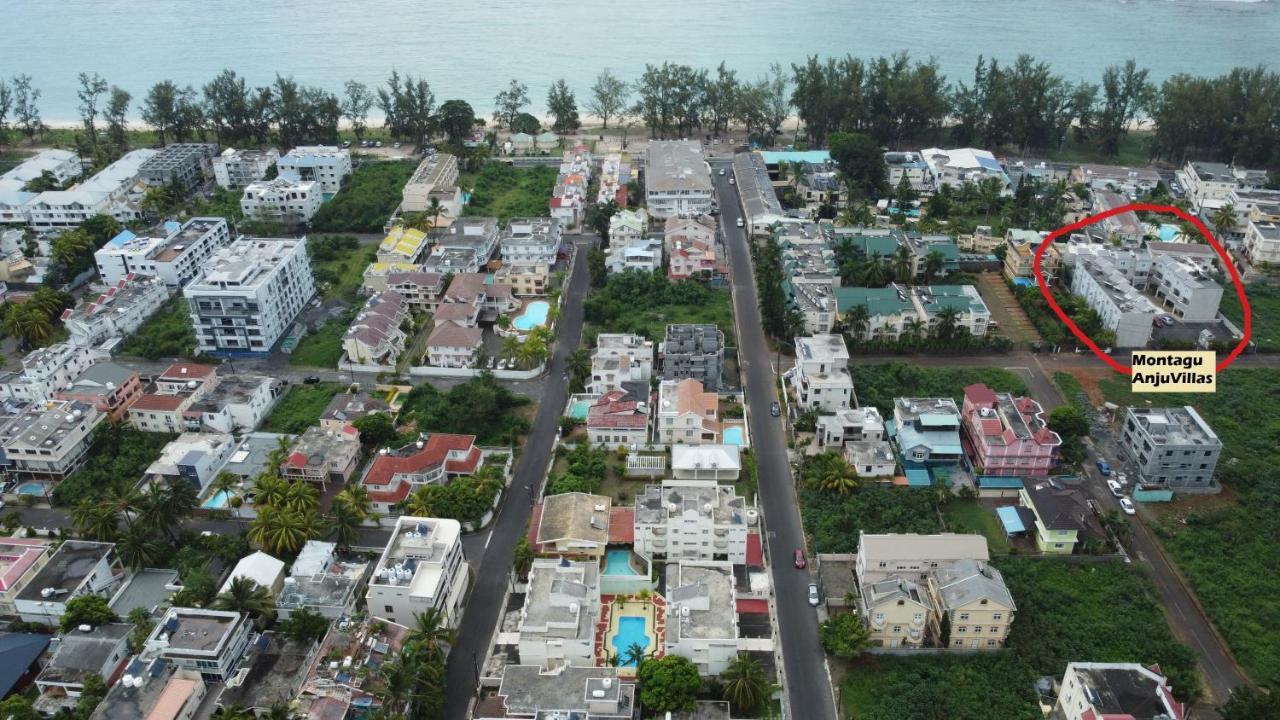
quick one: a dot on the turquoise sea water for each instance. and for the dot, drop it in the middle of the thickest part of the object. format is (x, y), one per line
(471, 50)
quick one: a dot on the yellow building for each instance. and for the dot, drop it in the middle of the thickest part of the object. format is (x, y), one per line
(1061, 514)
(897, 612)
(1020, 255)
(977, 604)
(403, 244)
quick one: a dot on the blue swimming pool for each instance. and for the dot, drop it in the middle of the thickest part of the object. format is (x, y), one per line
(733, 436)
(533, 316)
(31, 488)
(578, 409)
(631, 631)
(1169, 232)
(217, 500)
(618, 562)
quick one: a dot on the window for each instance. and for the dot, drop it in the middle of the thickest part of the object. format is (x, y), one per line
(879, 617)
(388, 608)
(991, 643)
(996, 616)
(995, 628)
(964, 616)
(918, 617)
(962, 628)
(897, 628)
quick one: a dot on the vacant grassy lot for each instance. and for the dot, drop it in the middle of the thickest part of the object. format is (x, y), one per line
(300, 408)
(878, 385)
(502, 191)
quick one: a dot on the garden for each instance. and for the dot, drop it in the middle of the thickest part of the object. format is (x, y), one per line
(480, 406)
(165, 334)
(120, 455)
(645, 303)
(367, 199)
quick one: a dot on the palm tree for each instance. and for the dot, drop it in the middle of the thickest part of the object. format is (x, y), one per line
(125, 502)
(226, 483)
(903, 266)
(399, 676)
(745, 684)
(510, 347)
(1224, 219)
(94, 520)
(834, 474)
(578, 363)
(137, 548)
(856, 320)
(933, 264)
(246, 596)
(876, 273)
(419, 503)
(532, 351)
(154, 511)
(948, 319)
(269, 489)
(29, 325)
(915, 329)
(301, 496)
(344, 522)
(233, 712)
(279, 710)
(284, 445)
(280, 531)
(434, 208)
(430, 630)
(634, 655)
(357, 498)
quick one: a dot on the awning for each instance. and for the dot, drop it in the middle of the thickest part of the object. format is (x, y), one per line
(1010, 520)
(918, 477)
(751, 606)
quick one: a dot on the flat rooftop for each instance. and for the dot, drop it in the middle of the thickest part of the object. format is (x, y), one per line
(273, 673)
(562, 599)
(201, 631)
(707, 590)
(1175, 425)
(246, 262)
(67, 569)
(676, 166)
(526, 689)
(416, 554)
(673, 498)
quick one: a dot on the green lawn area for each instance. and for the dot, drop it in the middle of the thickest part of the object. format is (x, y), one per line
(301, 408)
(167, 333)
(367, 199)
(645, 304)
(1105, 612)
(1072, 391)
(834, 521)
(322, 348)
(1133, 151)
(1228, 546)
(502, 191)
(1264, 301)
(969, 516)
(338, 263)
(878, 385)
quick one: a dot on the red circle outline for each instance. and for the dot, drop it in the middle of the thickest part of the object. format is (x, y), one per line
(1164, 209)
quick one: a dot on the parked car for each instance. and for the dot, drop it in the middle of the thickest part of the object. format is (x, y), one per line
(1122, 479)
(346, 144)
(1115, 488)
(775, 409)
(396, 146)
(814, 599)
(799, 559)
(1127, 506)
(721, 171)
(740, 223)
(311, 380)
(732, 181)
(1093, 505)
(1104, 468)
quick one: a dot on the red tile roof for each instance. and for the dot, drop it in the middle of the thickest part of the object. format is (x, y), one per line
(153, 401)
(433, 453)
(751, 606)
(193, 370)
(535, 517)
(622, 526)
(755, 551)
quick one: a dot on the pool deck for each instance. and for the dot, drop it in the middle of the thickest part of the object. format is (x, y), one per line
(653, 610)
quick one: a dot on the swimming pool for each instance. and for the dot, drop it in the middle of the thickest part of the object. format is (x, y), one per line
(631, 631)
(533, 316)
(578, 410)
(1169, 232)
(618, 562)
(217, 500)
(31, 488)
(733, 436)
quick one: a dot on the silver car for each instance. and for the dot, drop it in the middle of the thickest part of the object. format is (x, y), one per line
(814, 599)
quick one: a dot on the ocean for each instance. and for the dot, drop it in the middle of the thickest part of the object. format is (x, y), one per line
(471, 50)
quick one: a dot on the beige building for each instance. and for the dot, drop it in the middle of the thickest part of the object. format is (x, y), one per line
(912, 556)
(1020, 255)
(323, 456)
(526, 278)
(437, 175)
(574, 524)
(897, 612)
(687, 414)
(973, 597)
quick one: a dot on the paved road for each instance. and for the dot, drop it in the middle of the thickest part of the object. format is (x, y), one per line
(494, 569)
(807, 682)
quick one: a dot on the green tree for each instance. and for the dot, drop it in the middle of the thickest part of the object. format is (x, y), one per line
(904, 266)
(356, 102)
(281, 531)
(456, 120)
(305, 625)
(430, 630)
(669, 684)
(376, 429)
(745, 684)
(18, 707)
(632, 656)
(246, 596)
(1224, 218)
(599, 217)
(844, 635)
(563, 106)
(344, 523)
(1247, 703)
(1069, 422)
(142, 624)
(597, 268)
(857, 320)
(860, 161)
(116, 115)
(608, 96)
(26, 107)
(92, 88)
(578, 363)
(933, 264)
(138, 548)
(1125, 93)
(407, 105)
(86, 610)
(509, 103)
(94, 521)
(830, 472)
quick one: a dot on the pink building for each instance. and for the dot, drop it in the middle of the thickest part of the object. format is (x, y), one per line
(1007, 435)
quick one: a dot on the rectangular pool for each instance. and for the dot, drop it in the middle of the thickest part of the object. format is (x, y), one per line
(733, 436)
(618, 562)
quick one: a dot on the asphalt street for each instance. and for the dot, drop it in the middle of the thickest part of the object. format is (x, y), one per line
(807, 682)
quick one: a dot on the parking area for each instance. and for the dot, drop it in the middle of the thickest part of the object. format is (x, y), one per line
(1005, 310)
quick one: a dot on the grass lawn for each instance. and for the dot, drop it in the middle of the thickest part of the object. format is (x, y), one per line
(1227, 548)
(502, 191)
(878, 385)
(338, 263)
(970, 516)
(322, 348)
(367, 198)
(1264, 300)
(300, 408)
(1133, 151)
(1072, 391)
(167, 333)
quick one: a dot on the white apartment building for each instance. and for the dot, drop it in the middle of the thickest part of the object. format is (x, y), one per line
(702, 617)
(324, 164)
(436, 176)
(911, 166)
(248, 294)
(1123, 309)
(627, 225)
(1133, 263)
(63, 165)
(194, 457)
(47, 370)
(112, 191)
(958, 166)
(820, 377)
(677, 180)
(642, 254)
(116, 313)
(76, 568)
(422, 567)
(1184, 289)
(175, 257)
(620, 358)
(560, 612)
(237, 168)
(1210, 184)
(209, 642)
(531, 240)
(1127, 180)
(283, 199)
(237, 402)
(49, 442)
(1262, 243)
(814, 296)
(693, 520)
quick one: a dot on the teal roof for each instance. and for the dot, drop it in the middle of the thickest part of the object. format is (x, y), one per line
(1010, 520)
(772, 157)
(918, 477)
(997, 482)
(878, 301)
(882, 245)
(937, 420)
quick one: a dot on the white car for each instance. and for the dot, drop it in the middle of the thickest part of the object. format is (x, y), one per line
(1127, 506)
(1122, 479)
(813, 594)
(721, 171)
(1115, 489)
(740, 223)
(732, 181)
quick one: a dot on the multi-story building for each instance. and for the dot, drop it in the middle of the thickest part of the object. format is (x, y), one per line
(49, 442)
(560, 612)
(620, 359)
(116, 313)
(613, 421)
(323, 456)
(175, 257)
(1125, 226)
(421, 568)
(421, 290)
(1008, 435)
(693, 520)
(971, 313)
(1129, 181)
(1132, 263)
(236, 403)
(466, 247)
(1262, 243)
(237, 168)
(156, 691)
(913, 557)
(859, 434)
(403, 245)
(1058, 513)
(248, 294)
(890, 311)
(761, 209)
(702, 620)
(1123, 309)
(531, 692)
(525, 278)
(183, 164)
(113, 191)
(63, 165)
(1210, 184)
(814, 297)
(47, 370)
(209, 642)
(454, 345)
(282, 199)
(1020, 255)
(76, 568)
(535, 240)
(641, 254)
(1091, 690)
(928, 430)
(322, 581)
(436, 176)
(959, 166)
(324, 164)
(677, 180)
(80, 654)
(1172, 448)
(1184, 289)
(346, 408)
(979, 608)
(374, 336)
(686, 414)
(433, 460)
(615, 173)
(693, 351)
(627, 226)
(194, 458)
(20, 560)
(896, 611)
(820, 377)
(911, 166)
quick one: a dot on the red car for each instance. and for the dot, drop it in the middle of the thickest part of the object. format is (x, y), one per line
(799, 557)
